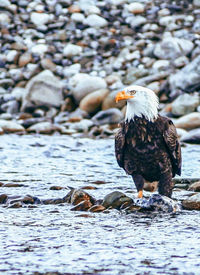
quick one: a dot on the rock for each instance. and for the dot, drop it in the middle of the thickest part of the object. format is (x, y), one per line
(12, 56)
(4, 19)
(43, 89)
(40, 18)
(186, 77)
(115, 200)
(15, 205)
(82, 84)
(181, 61)
(47, 64)
(109, 101)
(185, 104)
(39, 49)
(72, 50)
(56, 188)
(4, 3)
(97, 208)
(78, 17)
(3, 198)
(194, 187)
(24, 59)
(136, 8)
(172, 47)
(82, 206)
(11, 107)
(160, 65)
(192, 203)
(42, 128)
(18, 93)
(110, 116)
(188, 122)
(181, 132)
(156, 202)
(196, 3)
(134, 73)
(82, 126)
(11, 126)
(13, 185)
(91, 103)
(75, 196)
(95, 21)
(71, 70)
(192, 136)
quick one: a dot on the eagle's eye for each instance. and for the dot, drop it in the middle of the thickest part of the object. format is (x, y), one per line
(132, 92)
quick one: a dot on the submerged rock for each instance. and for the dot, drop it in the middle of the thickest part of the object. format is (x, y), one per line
(195, 186)
(115, 200)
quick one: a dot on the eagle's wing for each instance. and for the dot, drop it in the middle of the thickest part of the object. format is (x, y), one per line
(119, 146)
(173, 146)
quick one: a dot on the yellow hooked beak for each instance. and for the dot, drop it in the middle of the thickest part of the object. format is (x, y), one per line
(122, 96)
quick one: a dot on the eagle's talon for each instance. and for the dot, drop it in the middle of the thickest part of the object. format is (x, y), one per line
(140, 194)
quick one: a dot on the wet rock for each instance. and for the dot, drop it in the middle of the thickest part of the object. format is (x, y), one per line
(97, 208)
(82, 206)
(192, 203)
(190, 121)
(13, 185)
(3, 198)
(56, 188)
(72, 50)
(75, 196)
(115, 200)
(11, 126)
(192, 136)
(91, 103)
(186, 77)
(172, 47)
(15, 205)
(28, 200)
(158, 203)
(194, 187)
(185, 104)
(110, 116)
(83, 84)
(43, 89)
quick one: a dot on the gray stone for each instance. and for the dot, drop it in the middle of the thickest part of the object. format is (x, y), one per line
(192, 136)
(194, 187)
(44, 89)
(4, 3)
(72, 50)
(83, 84)
(110, 116)
(40, 18)
(42, 127)
(189, 75)
(172, 47)
(95, 21)
(185, 104)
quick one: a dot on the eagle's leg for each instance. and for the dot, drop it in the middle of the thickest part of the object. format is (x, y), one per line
(139, 183)
(165, 184)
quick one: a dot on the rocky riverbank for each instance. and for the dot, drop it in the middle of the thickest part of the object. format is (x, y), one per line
(62, 63)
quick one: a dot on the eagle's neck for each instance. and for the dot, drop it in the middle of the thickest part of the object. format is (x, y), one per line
(138, 109)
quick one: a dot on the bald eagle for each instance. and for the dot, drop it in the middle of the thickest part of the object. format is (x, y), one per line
(146, 145)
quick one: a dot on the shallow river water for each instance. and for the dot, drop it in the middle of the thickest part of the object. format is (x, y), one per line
(51, 238)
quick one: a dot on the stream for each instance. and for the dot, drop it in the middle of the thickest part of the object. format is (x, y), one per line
(50, 238)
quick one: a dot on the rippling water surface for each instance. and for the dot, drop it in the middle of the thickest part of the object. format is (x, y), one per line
(51, 238)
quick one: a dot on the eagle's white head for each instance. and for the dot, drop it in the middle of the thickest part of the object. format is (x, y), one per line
(141, 101)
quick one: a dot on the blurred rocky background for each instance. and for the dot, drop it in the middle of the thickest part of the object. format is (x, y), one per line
(62, 63)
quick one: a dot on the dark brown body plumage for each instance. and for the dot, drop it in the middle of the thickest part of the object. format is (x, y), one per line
(149, 150)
